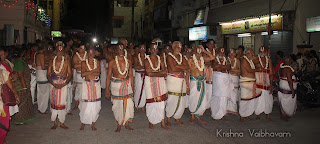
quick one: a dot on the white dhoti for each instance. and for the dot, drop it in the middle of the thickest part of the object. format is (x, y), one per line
(43, 90)
(249, 93)
(90, 104)
(234, 95)
(33, 84)
(139, 92)
(197, 99)
(209, 73)
(287, 104)
(264, 103)
(103, 75)
(221, 90)
(58, 99)
(123, 106)
(79, 82)
(13, 110)
(69, 96)
(176, 102)
(156, 94)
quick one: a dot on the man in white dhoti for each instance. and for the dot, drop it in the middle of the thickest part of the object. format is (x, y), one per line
(249, 94)
(197, 99)
(287, 87)
(122, 86)
(177, 84)
(139, 95)
(59, 75)
(43, 85)
(234, 74)
(221, 86)
(264, 78)
(90, 104)
(78, 58)
(31, 59)
(155, 88)
(103, 75)
(209, 71)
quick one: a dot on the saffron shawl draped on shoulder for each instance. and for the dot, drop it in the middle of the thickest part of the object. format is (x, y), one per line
(287, 103)
(176, 102)
(264, 103)
(249, 93)
(156, 94)
(220, 94)
(139, 95)
(123, 106)
(43, 90)
(197, 99)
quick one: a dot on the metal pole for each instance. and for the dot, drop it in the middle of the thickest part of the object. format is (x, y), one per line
(132, 20)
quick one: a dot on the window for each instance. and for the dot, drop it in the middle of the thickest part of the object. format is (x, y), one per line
(127, 3)
(117, 21)
(227, 1)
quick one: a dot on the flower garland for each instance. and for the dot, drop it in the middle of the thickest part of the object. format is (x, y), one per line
(282, 66)
(197, 63)
(151, 65)
(94, 64)
(126, 68)
(164, 59)
(235, 63)
(140, 61)
(179, 62)
(267, 62)
(185, 57)
(125, 53)
(224, 60)
(54, 65)
(213, 51)
(250, 62)
(84, 56)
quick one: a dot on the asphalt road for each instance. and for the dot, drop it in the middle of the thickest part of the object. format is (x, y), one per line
(303, 128)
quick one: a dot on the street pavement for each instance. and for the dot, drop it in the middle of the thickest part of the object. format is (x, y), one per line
(303, 128)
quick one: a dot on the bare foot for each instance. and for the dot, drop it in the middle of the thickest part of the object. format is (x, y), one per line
(191, 122)
(241, 119)
(129, 128)
(248, 118)
(143, 110)
(269, 119)
(82, 127)
(168, 122)
(137, 110)
(93, 128)
(258, 117)
(118, 129)
(150, 126)
(201, 121)
(55, 125)
(224, 119)
(179, 123)
(63, 126)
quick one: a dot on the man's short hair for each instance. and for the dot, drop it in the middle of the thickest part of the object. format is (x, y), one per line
(241, 47)
(176, 42)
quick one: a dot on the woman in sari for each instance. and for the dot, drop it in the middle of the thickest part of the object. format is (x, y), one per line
(26, 112)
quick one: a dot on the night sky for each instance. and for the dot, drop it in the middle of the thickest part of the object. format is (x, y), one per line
(90, 16)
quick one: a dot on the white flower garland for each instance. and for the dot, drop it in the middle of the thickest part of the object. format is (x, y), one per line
(179, 62)
(235, 63)
(84, 56)
(267, 62)
(140, 61)
(151, 65)
(282, 66)
(125, 53)
(250, 62)
(213, 51)
(224, 60)
(94, 64)
(185, 57)
(197, 63)
(164, 59)
(54, 64)
(126, 68)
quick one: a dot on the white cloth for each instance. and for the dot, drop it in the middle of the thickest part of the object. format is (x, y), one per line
(58, 100)
(176, 104)
(69, 96)
(43, 90)
(123, 110)
(80, 81)
(287, 103)
(209, 81)
(103, 75)
(139, 91)
(220, 94)
(234, 95)
(247, 103)
(155, 87)
(61, 114)
(264, 103)
(197, 102)
(33, 84)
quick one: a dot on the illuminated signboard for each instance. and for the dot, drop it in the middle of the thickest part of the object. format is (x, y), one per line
(198, 33)
(313, 24)
(56, 34)
(252, 25)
